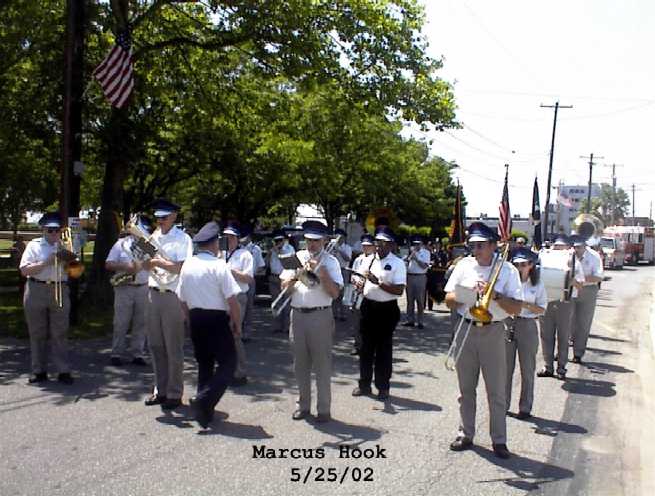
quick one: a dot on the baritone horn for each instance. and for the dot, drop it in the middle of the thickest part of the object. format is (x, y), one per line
(588, 227)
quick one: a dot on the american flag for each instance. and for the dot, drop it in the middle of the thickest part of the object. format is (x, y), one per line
(115, 72)
(505, 220)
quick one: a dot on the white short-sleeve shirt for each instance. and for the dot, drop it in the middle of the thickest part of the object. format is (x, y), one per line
(241, 260)
(206, 282)
(422, 255)
(316, 296)
(389, 270)
(592, 265)
(39, 250)
(177, 247)
(257, 258)
(276, 266)
(468, 273)
(535, 294)
(342, 251)
(362, 264)
(121, 253)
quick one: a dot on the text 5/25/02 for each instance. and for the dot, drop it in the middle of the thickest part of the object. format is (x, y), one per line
(331, 474)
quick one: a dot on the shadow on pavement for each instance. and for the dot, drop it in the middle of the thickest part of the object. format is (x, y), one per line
(551, 428)
(607, 338)
(345, 433)
(604, 352)
(530, 474)
(605, 368)
(589, 387)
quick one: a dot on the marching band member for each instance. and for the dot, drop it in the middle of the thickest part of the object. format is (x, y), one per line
(130, 296)
(343, 253)
(585, 304)
(418, 261)
(361, 265)
(208, 292)
(240, 262)
(385, 283)
(556, 323)
(524, 338)
(259, 266)
(312, 322)
(44, 316)
(280, 247)
(165, 319)
(484, 350)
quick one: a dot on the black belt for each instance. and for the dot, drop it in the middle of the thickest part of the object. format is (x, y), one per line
(477, 323)
(409, 274)
(526, 318)
(133, 284)
(375, 302)
(310, 309)
(159, 290)
(33, 279)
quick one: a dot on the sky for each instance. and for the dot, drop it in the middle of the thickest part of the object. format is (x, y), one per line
(505, 58)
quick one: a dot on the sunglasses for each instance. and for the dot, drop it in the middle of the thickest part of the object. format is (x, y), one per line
(53, 229)
(476, 245)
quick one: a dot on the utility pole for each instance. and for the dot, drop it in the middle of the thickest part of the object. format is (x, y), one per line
(557, 106)
(591, 167)
(614, 166)
(633, 205)
(69, 203)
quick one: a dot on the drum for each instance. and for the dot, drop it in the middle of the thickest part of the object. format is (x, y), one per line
(555, 274)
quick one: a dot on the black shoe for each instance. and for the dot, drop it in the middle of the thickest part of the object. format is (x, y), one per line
(545, 373)
(561, 376)
(155, 399)
(354, 352)
(65, 378)
(171, 404)
(421, 326)
(322, 418)
(408, 324)
(523, 415)
(239, 381)
(115, 361)
(299, 414)
(246, 340)
(570, 343)
(360, 391)
(40, 377)
(577, 360)
(139, 361)
(501, 450)
(383, 394)
(202, 415)
(192, 400)
(461, 444)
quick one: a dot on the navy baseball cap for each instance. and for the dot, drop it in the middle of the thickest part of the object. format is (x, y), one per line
(164, 208)
(385, 233)
(208, 232)
(233, 227)
(314, 229)
(366, 239)
(51, 220)
(562, 239)
(523, 255)
(479, 231)
(577, 240)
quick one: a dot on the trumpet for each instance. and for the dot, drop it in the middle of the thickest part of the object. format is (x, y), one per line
(479, 311)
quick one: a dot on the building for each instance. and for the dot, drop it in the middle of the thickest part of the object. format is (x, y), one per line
(567, 208)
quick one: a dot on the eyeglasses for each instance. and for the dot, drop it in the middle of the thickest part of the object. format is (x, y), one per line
(476, 245)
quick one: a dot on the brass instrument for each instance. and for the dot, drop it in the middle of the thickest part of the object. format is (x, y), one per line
(588, 227)
(146, 248)
(305, 276)
(68, 260)
(479, 311)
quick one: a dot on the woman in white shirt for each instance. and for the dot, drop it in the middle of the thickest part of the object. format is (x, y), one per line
(524, 334)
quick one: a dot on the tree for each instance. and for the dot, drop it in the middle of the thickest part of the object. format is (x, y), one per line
(609, 207)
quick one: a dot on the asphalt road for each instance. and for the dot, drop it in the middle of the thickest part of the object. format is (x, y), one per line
(592, 435)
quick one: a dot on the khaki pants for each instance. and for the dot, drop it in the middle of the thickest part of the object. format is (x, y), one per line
(129, 307)
(556, 323)
(311, 337)
(416, 296)
(484, 351)
(525, 343)
(166, 341)
(46, 320)
(584, 307)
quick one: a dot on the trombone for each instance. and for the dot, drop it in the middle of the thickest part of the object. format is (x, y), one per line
(479, 311)
(65, 259)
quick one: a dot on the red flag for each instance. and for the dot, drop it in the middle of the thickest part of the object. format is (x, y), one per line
(505, 220)
(115, 72)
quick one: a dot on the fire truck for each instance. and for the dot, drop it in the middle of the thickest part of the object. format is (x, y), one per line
(638, 242)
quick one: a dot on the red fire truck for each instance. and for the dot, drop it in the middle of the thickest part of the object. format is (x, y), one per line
(638, 242)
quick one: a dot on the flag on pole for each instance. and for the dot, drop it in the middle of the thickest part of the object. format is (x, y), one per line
(505, 220)
(457, 235)
(536, 216)
(115, 72)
